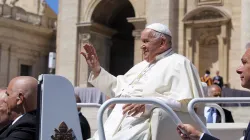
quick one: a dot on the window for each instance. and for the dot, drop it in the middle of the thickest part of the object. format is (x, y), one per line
(25, 70)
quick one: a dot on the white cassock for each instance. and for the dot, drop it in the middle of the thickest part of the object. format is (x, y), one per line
(172, 78)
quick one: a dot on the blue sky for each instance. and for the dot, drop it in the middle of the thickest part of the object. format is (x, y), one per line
(53, 4)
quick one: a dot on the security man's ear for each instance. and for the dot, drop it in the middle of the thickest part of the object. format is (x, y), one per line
(20, 99)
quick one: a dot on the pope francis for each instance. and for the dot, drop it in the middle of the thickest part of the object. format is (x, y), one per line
(163, 74)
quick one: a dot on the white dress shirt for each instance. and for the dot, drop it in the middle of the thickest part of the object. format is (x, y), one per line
(16, 119)
(206, 113)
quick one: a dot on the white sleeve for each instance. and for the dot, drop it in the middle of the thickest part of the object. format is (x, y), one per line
(104, 81)
(175, 105)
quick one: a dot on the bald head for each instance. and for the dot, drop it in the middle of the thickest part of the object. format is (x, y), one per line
(22, 91)
(214, 91)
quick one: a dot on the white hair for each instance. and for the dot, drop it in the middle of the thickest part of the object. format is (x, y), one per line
(248, 45)
(156, 34)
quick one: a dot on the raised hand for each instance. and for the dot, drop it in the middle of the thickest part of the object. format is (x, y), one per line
(92, 59)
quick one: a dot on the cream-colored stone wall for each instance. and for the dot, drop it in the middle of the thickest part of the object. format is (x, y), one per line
(25, 38)
(28, 5)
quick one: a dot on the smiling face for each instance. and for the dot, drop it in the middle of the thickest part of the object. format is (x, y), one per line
(152, 46)
(244, 70)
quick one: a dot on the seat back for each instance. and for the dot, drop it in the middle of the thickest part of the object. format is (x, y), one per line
(58, 111)
(163, 128)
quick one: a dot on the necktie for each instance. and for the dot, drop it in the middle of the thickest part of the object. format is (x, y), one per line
(210, 115)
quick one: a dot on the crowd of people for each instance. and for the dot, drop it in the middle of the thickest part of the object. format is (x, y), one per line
(163, 74)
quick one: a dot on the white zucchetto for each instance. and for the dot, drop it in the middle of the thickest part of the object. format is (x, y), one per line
(160, 28)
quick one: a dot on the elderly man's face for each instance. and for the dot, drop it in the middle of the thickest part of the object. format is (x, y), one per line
(215, 92)
(244, 70)
(12, 97)
(151, 45)
(4, 111)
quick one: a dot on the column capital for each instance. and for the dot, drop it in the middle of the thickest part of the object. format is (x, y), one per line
(5, 46)
(87, 27)
(139, 23)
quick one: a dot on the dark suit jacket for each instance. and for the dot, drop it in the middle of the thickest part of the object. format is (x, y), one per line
(22, 129)
(85, 127)
(228, 116)
(247, 133)
(208, 137)
(220, 79)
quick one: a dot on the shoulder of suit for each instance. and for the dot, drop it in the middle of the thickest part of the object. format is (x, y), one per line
(225, 110)
(27, 119)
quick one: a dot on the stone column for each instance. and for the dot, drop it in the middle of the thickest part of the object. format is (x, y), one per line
(189, 44)
(82, 66)
(66, 49)
(5, 58)
(223, 53)
(197, 54)
(139, 24)
(13, 66)
(245, 20)
(100, 36)
(138, 56)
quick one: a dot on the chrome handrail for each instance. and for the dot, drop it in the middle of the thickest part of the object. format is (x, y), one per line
(88, 105)
(157, 102)
(212, 100)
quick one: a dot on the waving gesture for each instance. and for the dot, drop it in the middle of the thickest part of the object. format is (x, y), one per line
(92, 59)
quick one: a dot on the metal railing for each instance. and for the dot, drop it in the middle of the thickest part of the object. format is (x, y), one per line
(88, 105)
(222, 113)
(212, 100)
(157, 102)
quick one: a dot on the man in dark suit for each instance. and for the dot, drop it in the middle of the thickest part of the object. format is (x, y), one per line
(188, 132)
(83, 122)
(213, 115)
(21, 100)
(218, 80)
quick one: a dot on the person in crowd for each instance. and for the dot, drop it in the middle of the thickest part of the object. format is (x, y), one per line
(83, 121)
(4, 117)
(212, 115)
(163, 74)
(207, 79)
(21, 101)
(218, 80)
(188, 132)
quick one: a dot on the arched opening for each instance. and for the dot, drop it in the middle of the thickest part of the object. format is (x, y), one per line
(207, 37)
(209, 50)
(114, 14)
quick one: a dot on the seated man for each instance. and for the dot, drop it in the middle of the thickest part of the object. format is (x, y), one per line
(21, 100)
(83, 122)
(212, 115)
(164, 75)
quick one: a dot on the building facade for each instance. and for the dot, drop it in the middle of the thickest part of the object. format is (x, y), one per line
(211, 33)
(27, 35)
